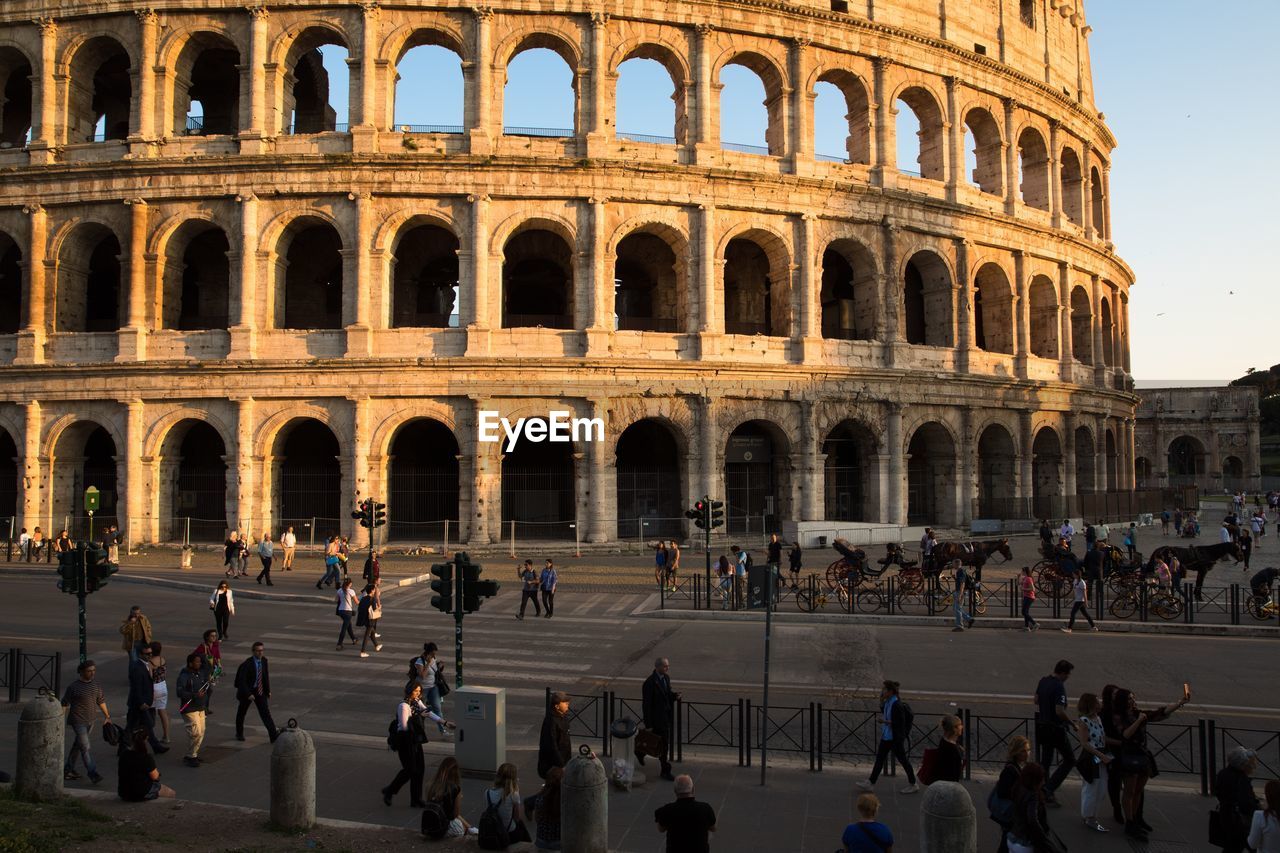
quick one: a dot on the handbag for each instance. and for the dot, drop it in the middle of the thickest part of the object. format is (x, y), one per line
(1000, 809)
(649, 743)
(1134, 759)
(375, 613)
(442, 684)
(1087, 764)
(928, 762)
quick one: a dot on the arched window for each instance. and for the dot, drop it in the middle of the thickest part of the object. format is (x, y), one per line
(647, 295)
(984, 152)
(317, 83)
(540, 96)
(993, 310)
(1099, 203)
(422, 481)
(1108, 334)
(428, 86)
(1072, 187)
(648, 488)
(15, 98)
(849, 293)
(425, 278)
(751, 106)
(100, 94)
(307, 479)
(312, 276)
(1044, 317)
(10, 285)
(644, 83)
(537, 281)
(921, 147)
(927, 301)
(90, 288)
(206, 92)
(842, 118)
(197, 278)
(1081, 326)
(1033, 161)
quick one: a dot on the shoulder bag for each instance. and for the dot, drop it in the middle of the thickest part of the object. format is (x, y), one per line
(442, 683)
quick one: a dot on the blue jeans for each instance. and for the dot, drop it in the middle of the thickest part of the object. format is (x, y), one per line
(434, 703)
(80, 746)
(345, 615)
(334, 572)
(961, 615)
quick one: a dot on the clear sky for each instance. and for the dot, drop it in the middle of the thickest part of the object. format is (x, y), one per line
(1190, 96)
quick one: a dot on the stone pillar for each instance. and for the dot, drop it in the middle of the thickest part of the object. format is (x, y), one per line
(966, 467)
(477, 316)
(706, 148)
(1100, 457)
(30, 475)
(132, 337)
(1069, 485)
(595, 282)
(486, 484)
(1026, 459)
(45, 135)
(1131, 447)
(1022, 319)
(1117, 336)
(1099, 363)
(1090, 231)
(1252, 462)
(1105, 225)
(599, 129)
(1055, 173)
(948, 820)
(884, 172)
(709, 442)
(244, 470)
(710, 317)
(244, 286)
(964, 306)
(136, 488)
(481, 128)
(890, 293)
(358, 296)
(602, 493)
(35, 322)
(143, 117)
(811, 484)
(364, 113)
(361, 488)
(955, 142)
(896, 495)
(1065, 352)
(798, 59)
(293, 780)
(41, 746)
(258, 123)
(1012, 190)
(809, 333)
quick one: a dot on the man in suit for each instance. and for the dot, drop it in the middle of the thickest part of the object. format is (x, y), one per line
(141, 694)
(659, 703)
(253, 685)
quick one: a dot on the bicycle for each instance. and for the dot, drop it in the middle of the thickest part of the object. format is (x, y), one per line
(808, 601)
(1162, 602)
(942, 599)
(1261, 612)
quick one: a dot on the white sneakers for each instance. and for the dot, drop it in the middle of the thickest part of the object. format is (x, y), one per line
(910, 789)
(364, 654)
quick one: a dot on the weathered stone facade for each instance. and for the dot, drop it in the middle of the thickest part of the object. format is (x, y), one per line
(248, 317)
(1206, 437)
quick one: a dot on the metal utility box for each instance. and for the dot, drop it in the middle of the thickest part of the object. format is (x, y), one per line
(480, 743)
(759, 588)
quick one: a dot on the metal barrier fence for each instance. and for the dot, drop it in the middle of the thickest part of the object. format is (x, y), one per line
(824, 734)
(23, 671)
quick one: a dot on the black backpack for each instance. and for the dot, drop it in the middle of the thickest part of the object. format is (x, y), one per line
(493, 833)
(413, 668)
(435, 825)
(908, 719)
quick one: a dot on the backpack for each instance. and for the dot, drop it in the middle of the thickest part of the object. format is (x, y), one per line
(413, 669)
(393, 734)
(434, 822)
(908, 719)
(493, 832)
(1000, 809)
(111, 734)
(749, 562)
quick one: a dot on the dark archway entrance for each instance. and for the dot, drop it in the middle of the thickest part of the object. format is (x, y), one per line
(309, 494)
(846, 473)
(648, 473)
(422, 482)
(931, 477)
(8, 479)
(194, 484)
(997, 473)
(755, 478)
(538, 490)
(1046, 475)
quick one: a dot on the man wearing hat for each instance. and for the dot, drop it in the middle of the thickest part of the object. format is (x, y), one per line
(553, 745)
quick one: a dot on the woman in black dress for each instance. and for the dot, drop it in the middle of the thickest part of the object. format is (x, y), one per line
(1136, 761)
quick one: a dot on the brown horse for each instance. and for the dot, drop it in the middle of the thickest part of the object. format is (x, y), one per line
(1200, 558)
(974, 553)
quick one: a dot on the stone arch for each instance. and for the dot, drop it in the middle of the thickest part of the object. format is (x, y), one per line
(195, 276)
(202, 66)
(423, 270)
(651, 275)
(849, 293)
(309, 274)
(648, 458)
(1043, 296)
(988, 151)
(538, 268)
(850, 472)
(1142, 473)
(1086, 461)
(1071, 178)
(1098, 202)
(773, 76)
(11, 284)
(857, 99)
(90, 292)
(16, 94)
(84, 451)
(436, 32)
(423, 483)
(757, 472)
(1081, 325)
(439, 31)
(1107, 321)
(993, 317)
(1033, 167)
(100, 88)
(931, 475)
(391, 229)
(268, 434)
(1188, 460)
(544, 36)
(1233, 474)
(162, 429)
(544, 220)
(192, 481)
(421, 409)
(997, 471)
(928, 303)
(1047, 478)
(306, 476)
(671, 58)
(540, 489)
(9, 473)
(756, 285)
(926, 105)
(302, 91)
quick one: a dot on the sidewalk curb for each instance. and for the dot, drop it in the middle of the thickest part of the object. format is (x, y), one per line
(650, 609)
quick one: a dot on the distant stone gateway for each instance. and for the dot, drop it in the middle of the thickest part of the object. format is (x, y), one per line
(247, 316)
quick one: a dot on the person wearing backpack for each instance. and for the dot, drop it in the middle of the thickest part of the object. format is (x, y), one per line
(446, 791)
(406, 736)
(502, 823)
(896, 718)
(428, 672)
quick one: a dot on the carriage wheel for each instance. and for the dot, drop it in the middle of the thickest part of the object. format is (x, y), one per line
(1048, 580)
(870, 601)
(837, 572)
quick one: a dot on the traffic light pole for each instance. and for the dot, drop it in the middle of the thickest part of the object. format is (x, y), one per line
(459, 581)
(80, 600)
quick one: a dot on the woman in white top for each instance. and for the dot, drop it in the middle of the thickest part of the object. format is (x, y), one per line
(160, 689)
(1093, 759)
(505, 793)
(410, 735)
(223, 605)
(347, 603)
(1264, 834)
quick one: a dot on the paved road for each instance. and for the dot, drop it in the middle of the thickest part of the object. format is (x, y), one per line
(593, 644)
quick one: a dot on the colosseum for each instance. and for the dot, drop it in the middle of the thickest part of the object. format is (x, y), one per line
(250, 318)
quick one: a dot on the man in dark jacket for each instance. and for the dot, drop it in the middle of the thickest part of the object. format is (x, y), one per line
(1236, 800)
(659, 703)
(895, 738)
(554, 747)
(193, 693)
(141, 694)
(253, 685)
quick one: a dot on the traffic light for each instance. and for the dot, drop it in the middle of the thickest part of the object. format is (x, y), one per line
(98, 568)
(473, 589)
(364, 513)
(379, 514)
(69, 571)
(443, 587)
(698, 514)
(716, 515)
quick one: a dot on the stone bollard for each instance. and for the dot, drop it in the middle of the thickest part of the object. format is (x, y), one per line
(293, 779)
(625, 774)
(948, 820)
(584, 805)
(41, 731)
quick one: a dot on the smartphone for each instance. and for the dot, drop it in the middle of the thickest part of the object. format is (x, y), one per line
(1186, 690)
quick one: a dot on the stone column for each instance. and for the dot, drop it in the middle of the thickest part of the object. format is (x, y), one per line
(1026, 459)
(259, 125)
(358, 296)
(474, 311)
(811, 484)
(599, 129)
(808, 333)
(1253, 461)
(964, 306)
(35, 322)
(598, 282)
(1106, 202)
(709, 442)
(1012, 190)
(1069, 485)
(1065, 353)
(890, 294)
(1022, 319)
(244, 286)
(485, 482)
(136, 488)
(1055, 174)
(45, 134)
(244, 470)
(798, 57)
(481, 129)
(132, 337)
(966, 468)
(1117, 336)
(1099, 363)
(30, 481)
(884, 172)
(360, 488)
(1130, 444)
(1089, 228)
(706, 148)
(143, 118)
(602, 493)
(364, 133)
(1100, 457)
(710, 318)
(955, 142)
(896, 508)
